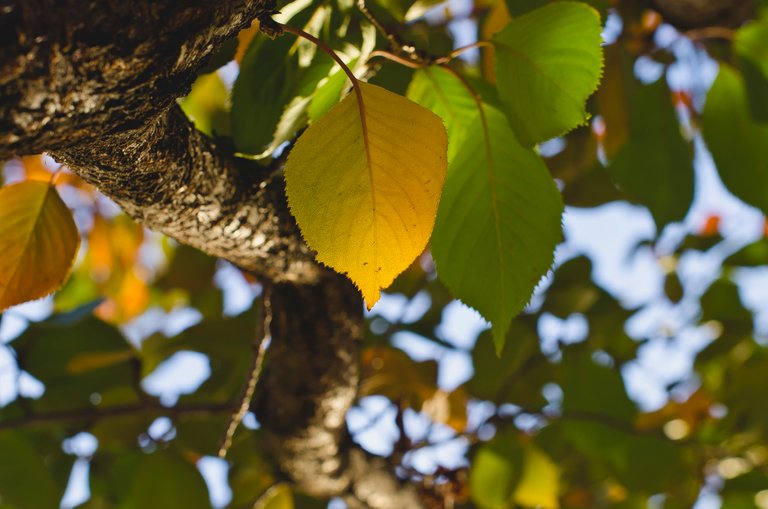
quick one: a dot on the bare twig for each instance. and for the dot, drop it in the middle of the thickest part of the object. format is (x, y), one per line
(96, 413)
(260, 346)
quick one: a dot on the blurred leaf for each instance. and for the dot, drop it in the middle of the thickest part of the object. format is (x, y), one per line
(594, 390)
(250, 473)
(449, 408)
(548, 62)
(739, 144)
(207, 105)
(540, 482)
(519, 374)
(572, 290)
(496, 470)
(391, 373)
(77, 360)
(276, 497)
(165, 480)
(721, 302)
(655, 165)
(751, 255)
(25, 482)
(751, 45)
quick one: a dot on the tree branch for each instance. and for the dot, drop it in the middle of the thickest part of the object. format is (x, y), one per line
(97, 413)
(308, 383)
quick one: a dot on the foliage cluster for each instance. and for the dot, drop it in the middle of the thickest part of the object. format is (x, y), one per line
(538, 424)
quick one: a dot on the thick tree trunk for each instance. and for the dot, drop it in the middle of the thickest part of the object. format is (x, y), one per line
(94, 83)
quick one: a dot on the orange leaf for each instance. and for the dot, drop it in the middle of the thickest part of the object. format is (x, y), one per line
(38, 239)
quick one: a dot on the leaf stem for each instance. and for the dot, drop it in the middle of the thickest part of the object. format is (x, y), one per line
(327, 49)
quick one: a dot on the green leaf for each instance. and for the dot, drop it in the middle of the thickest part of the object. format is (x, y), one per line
(497, 225)
(165, 480)
(519, 7)
(75, 361)
(498, 378)
(594, 389)
(738, 143)
(25, 482)
(207, 105)
(269, 75)
(38, 239)
(751, 255)
(548, 62)
(655, 165)
(438, 90)
(496, 470)
(751, 45)
(328, 93)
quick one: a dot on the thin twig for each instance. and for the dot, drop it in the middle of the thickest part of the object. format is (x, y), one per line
(698, 34)
(413, 64)
(394, 40)
(261, 344)
(458, 51)
(96, 413)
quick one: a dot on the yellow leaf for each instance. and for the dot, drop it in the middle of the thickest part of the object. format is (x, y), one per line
(278, 496)
(364, 182)
(38, 242)
(540, 482)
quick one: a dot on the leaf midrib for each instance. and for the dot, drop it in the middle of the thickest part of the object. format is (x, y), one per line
(366, 145)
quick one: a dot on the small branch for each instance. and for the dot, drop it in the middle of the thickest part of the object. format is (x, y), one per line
(413, 64)
(260, 346)
(458, 51)
(92, 414)
(394, 40)
(698, 34)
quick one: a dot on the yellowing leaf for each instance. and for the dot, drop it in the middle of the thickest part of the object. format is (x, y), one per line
(540, 482)
(276, 497)
(364, 182)
(38, 239)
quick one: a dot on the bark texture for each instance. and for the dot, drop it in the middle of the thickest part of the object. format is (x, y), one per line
(94, 84)
(691, 14)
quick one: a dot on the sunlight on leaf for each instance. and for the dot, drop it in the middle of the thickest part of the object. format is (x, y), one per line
(497, 226)
(39, 240)
(364, 184)
(548, 62)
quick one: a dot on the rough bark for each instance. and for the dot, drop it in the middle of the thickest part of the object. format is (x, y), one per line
(691, 14)
(308, 384)
(94, 83)
(170, 177)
